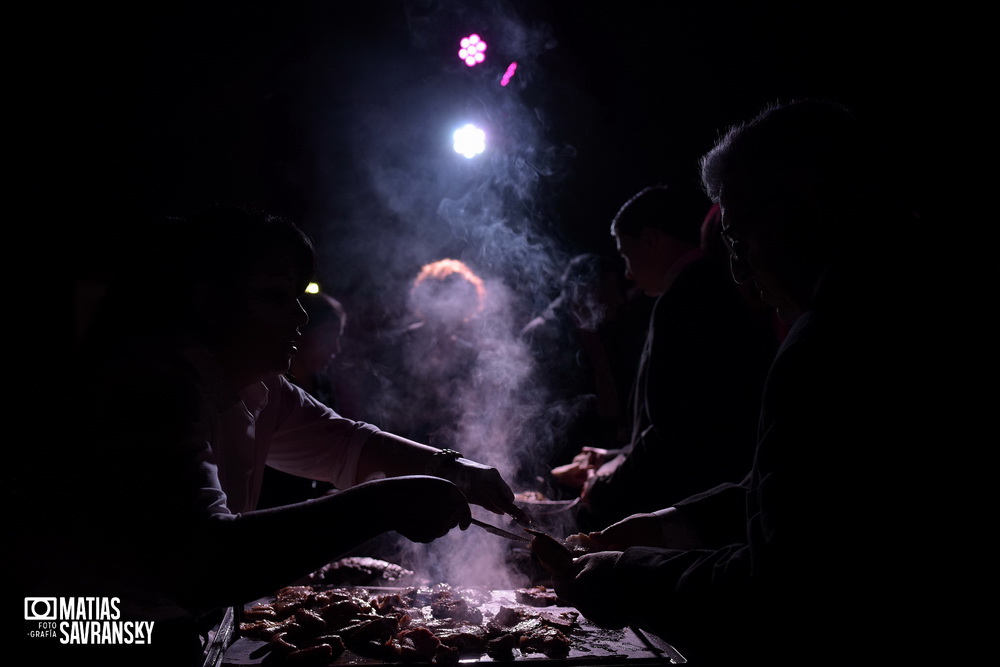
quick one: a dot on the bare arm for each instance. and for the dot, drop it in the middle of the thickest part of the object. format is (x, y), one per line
(390, 455)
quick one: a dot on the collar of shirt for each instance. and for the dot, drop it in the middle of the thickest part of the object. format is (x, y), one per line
(218, 388)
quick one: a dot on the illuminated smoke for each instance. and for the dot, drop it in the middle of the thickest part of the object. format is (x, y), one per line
(404, 199)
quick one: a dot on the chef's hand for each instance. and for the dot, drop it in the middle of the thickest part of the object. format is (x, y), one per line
(483, 486)
(590, 586)
(666, 529)
(441, 507)
(552, 554)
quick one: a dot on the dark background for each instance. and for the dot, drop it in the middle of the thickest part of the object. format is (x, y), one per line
(337, 114)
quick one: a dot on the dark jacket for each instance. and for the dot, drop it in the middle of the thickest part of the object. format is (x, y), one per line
(696, 399)
(821, 555)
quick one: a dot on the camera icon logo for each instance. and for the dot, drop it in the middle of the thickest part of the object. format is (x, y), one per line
(40, 609)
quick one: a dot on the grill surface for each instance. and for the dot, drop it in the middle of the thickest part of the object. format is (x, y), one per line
(590, 644)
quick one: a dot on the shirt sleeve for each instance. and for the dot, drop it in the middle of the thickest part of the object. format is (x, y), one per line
(309, 439)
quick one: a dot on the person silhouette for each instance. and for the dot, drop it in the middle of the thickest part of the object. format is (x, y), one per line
(819, 544)
(153, 472)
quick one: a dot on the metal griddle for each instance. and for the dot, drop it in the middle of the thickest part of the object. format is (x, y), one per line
(591, 645)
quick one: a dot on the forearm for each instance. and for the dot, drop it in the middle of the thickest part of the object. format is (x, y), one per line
(389, 455)
(235, 558)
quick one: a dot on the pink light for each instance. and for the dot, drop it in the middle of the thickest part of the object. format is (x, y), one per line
(472, 50)
(508, 74)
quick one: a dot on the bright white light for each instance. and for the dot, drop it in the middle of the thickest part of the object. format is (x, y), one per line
(472, 51)
(470, 141)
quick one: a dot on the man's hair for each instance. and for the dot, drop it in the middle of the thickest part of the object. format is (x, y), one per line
(813, 143)
(809, 175)
(156, 281)
(674, 210)
(447, 290)
(227, 243)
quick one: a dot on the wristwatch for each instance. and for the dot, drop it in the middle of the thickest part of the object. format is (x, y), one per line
(443, 459)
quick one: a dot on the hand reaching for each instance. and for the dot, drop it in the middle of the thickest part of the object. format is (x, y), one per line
(666, 529)
(590, 586)
(426, 508)
(583, 466)
(483, 486)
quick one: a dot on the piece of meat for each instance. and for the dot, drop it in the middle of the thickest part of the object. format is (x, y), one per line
(282, 645)
(323, 598)
(359, 571)
(536, 596)
(546, 640)
(374, 629)
(295, 593)
(335, 642)
(345, 612)
(507, 617)
(513, 621)
(502, 646)
(310, 621)
(260, 612)
(264, 629)
(390, 602)
(446, 655)
(468, 638)
(457, 609)
(565, 621)
(416, 644)
(582, 543)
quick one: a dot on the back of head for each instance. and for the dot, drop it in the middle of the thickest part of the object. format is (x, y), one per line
(672, 209)
(586, 278)
(225, 245)
(816, 196)
(172, 261)
(447, 292)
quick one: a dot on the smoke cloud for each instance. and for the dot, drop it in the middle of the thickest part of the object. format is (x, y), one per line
(392, 196)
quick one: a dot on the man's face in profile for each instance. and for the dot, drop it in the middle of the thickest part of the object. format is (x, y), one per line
(640, 263)
(261, 324)
(757, 255)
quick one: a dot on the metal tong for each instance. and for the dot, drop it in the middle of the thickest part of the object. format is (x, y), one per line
(500, 531)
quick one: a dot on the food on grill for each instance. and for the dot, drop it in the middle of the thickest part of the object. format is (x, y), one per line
(582, 543)
(530, 632)
(420, 644)
(308, 626)
(359, 571)
(536, 596)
